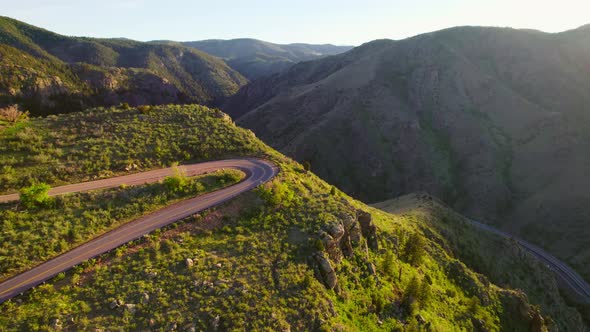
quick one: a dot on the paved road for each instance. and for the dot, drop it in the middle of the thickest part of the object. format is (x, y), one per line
(257, 172)
(564, 272)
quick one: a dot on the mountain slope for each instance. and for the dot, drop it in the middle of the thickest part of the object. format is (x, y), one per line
(294, 254)
(256, 58)
(494, 121)
(50, 73)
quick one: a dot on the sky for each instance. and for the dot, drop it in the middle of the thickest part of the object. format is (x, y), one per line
(343, 22)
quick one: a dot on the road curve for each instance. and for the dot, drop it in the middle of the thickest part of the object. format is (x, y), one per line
(564, 272)
(257, 172)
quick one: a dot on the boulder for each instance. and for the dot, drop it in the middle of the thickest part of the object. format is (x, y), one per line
(336, 230)
(420, 319)
(371, 269)
(56, 324)
(145, 298)
(189, 262)
(327, 273)
(116, 304)
(215, 323)
(131, 307)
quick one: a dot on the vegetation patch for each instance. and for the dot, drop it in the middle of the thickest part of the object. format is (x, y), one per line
(41, 227)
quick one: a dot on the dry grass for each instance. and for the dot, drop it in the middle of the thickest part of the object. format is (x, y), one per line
(13, 114)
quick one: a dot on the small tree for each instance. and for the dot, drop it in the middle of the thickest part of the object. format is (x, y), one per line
(307, 166)
(414, 249)
(424, 293)
(389, 264)
(410, 297)
(36, 196)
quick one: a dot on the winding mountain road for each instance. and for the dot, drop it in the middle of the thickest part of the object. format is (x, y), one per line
(257, 172)
(564, 272)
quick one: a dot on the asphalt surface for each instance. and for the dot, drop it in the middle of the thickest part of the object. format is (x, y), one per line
(257, 172)
(564, 272)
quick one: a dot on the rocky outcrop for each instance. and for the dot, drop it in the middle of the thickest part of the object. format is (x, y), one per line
(523, 314)
(470, 283)
(324, 270)
(114, 304)
(338, 239)
(352, 234)
(369, 230)
(331, 239)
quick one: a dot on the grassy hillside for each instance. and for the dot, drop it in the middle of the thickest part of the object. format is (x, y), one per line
(493, 121)
(256, 58)
(295, 254)
(50, 73)
(502, 260)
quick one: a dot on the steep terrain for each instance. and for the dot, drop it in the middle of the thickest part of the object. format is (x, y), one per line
(295, 254)
(256, 58)
(49, 73)
(493, 121)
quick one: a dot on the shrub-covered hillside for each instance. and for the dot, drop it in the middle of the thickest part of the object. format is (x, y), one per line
(294, 254)
(50, 73)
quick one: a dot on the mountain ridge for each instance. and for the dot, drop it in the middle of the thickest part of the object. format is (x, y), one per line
(492, 120)
(51, 73)
(257, 58)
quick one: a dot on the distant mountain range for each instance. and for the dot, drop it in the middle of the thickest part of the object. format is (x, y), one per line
(256, 58)
(51, 73)
(495, 121)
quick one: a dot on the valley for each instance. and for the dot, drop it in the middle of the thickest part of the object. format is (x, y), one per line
(431, 183)
(500, 136)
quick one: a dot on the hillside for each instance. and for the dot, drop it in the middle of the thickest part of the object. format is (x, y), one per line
(256, 58)
(49, 73)
(295, 254)
(493, 121)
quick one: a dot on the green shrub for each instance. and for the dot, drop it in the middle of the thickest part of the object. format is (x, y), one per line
(144, 108)
(124, 106)
(177, 183)
(36, 196)
(278, 194)
(333, 191)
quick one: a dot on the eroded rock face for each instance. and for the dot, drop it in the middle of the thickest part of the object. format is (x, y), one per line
(368, 229)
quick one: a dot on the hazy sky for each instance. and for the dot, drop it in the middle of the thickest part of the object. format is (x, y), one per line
(312, 21)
